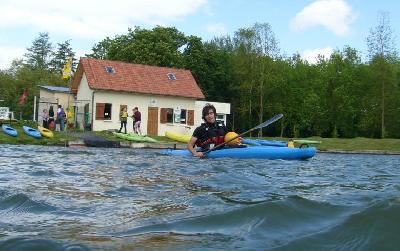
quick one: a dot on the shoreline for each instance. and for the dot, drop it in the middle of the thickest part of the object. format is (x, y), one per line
(164, 145)
(373, 152)
(90, 139)
(180, 146)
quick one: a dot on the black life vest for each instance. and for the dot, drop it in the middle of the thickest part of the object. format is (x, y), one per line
(212, 134)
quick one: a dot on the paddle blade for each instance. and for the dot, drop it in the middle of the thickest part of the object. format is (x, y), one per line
(269, 121)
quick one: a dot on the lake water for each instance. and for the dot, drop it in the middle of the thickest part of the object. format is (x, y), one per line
(55, 198)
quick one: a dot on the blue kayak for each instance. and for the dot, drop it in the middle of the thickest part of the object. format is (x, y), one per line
(254, 152)
(9, 130)
(263, 142)
(32, 132)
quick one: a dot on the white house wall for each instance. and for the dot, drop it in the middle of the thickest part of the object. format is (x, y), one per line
(56, 97)
(84, 92)
(141, 101)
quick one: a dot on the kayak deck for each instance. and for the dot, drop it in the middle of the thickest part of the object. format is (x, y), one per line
(254, 152)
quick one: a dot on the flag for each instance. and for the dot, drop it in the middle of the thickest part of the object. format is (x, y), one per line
(67, 69)
(23, 97)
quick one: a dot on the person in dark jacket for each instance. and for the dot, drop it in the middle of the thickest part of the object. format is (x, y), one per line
(208, 134)
(137, 117)
(51, 122)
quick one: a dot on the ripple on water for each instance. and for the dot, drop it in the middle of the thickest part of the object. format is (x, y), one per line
(128, 198)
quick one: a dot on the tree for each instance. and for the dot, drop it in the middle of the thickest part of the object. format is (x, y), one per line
(101, 49)
(381, 50)
(40, 53)
(260, 43)
(160, 46)
(60, 57)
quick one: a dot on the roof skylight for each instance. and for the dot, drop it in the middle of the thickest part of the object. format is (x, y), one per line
(171, 76)
(110, 69)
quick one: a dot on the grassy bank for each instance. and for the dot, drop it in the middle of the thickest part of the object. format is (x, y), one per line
(23, 139)
(354, 144)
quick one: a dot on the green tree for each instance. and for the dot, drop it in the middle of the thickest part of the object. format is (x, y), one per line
(101, 49)
(259, 45)
(381, 50)
(160, 46)
(40, 53)
(60, 57)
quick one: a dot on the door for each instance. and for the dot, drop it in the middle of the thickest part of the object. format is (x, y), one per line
(86, 118)
(152, 121)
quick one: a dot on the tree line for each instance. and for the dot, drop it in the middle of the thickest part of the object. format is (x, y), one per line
(339, 96)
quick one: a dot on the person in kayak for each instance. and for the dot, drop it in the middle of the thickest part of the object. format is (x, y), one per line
(208, 134)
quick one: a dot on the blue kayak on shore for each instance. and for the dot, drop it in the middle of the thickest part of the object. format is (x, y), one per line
(254, 152)
(9, 130)
(32, 132)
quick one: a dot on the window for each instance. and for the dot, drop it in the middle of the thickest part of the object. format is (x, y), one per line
(107, 111)
(171, 76)
(110, 69)
(220, 117)
(184, 117)
(103, 111)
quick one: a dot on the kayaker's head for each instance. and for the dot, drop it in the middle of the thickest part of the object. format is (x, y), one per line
(209, 113)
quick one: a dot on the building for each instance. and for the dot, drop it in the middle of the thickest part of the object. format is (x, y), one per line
(52, 96)
(166, 97)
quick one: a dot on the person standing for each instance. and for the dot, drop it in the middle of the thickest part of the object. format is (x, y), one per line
(45, 118)
(50, 121)
(138, 118)
(123, 118)
(61, 117)
(133, 118)
(208, 134)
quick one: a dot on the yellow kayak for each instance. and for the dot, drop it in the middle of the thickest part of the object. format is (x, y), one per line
(184, 138)
(45, 132)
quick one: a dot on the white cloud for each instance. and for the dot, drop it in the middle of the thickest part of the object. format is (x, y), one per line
(9, 53)
(311, 55)
(335, 15)
(91, 18)
(216, 28)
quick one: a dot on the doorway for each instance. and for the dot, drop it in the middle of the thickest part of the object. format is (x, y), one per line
(152, 121)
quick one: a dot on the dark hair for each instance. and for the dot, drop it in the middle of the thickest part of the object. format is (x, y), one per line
(136, 108)
(206, 109)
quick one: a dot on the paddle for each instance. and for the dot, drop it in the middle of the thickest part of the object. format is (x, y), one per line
(262, 125)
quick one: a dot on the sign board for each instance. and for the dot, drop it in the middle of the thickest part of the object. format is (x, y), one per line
(4, 111)
(153, 102)
(177, 114)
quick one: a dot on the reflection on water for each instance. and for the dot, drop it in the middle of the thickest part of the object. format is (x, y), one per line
(122, 199)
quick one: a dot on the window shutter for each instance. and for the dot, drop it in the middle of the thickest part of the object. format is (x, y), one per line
(190, 118)
(100, 111)
(163, 115)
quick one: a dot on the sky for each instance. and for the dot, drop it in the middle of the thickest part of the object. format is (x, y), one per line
(307, 27)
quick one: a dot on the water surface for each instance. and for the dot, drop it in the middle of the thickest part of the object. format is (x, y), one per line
(126, 199)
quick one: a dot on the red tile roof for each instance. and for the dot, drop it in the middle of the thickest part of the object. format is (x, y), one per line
(136, 78)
